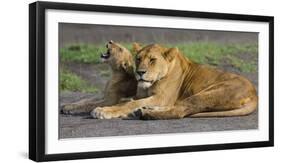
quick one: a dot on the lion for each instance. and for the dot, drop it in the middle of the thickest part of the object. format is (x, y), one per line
(121, 87)
(177, 87)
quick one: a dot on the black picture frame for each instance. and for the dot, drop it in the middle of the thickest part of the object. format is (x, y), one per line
(37, 80)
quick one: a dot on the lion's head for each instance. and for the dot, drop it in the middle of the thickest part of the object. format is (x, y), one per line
(152, 63)
(118, 57)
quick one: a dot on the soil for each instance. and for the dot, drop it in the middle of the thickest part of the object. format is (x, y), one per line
(97, 34)
(85, 126)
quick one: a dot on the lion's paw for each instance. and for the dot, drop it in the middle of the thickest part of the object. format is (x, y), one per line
(136, 114)
(69, 109)
(97, 113)
(103, 113)
(144, 112)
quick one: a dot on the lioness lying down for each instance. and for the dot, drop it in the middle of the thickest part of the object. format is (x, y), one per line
(177, 87)
(121, 85)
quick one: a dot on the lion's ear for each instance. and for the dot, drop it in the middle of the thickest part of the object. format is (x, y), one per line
(170, 54)
(136, 47)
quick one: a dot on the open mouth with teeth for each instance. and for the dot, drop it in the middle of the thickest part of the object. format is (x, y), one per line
(105, 55)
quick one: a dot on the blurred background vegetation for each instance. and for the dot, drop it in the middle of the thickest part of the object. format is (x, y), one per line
(81, 70)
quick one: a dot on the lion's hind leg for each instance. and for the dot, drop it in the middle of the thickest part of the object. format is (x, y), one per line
(160, 112)
(245, 109)
(218, 101)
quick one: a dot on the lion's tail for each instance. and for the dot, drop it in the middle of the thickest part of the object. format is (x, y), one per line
(245, 110)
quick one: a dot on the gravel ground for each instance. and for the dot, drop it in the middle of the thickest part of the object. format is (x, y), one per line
(85, 126)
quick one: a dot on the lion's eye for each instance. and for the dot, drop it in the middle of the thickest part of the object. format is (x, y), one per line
(152, 60)
(138, 60)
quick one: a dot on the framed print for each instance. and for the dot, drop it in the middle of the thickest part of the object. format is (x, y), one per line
(110, 81)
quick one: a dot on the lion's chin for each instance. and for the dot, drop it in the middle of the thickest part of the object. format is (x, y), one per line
(144, 84)
(104, 60)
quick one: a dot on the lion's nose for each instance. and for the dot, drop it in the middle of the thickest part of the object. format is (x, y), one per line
(141, 72)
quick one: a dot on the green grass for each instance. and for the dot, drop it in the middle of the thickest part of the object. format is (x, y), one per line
(212, 53)
(200, 52)
(84, 53)
(244, 66)
(72, 82)
(81, 53)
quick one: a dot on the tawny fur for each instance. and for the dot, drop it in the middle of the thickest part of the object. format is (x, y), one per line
(177, 87)
(122, 84)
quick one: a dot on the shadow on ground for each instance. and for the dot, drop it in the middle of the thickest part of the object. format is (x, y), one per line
(84, 126)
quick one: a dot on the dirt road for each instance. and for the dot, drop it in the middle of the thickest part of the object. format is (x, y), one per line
(85, 126)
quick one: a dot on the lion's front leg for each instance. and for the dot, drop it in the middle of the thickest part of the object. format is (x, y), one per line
(124, 110)
(113, 112)
(85, 106)
(160, 112)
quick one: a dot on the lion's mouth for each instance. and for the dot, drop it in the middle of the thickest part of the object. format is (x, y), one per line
(105, 55)
(145, 81)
